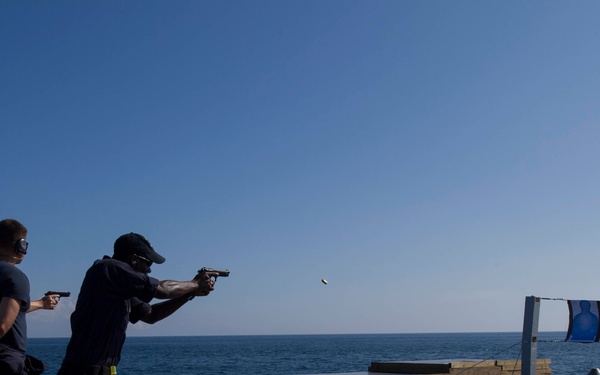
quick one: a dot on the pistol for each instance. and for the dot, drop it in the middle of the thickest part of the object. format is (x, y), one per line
(60, 294)
(222, 273)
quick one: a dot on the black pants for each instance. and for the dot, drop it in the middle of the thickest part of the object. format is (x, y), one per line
(12, 362)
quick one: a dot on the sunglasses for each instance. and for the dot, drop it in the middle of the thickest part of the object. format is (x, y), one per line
(148, 261)
(21, 246)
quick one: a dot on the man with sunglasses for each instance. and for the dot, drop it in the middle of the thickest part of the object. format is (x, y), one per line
(15, 301)
(116, 291)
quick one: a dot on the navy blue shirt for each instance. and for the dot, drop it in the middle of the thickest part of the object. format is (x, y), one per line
(112, 295)
(15, 284)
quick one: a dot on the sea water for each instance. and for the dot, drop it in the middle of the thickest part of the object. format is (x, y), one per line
(321, 354)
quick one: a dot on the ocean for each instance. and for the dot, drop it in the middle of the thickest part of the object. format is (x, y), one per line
(321, 354)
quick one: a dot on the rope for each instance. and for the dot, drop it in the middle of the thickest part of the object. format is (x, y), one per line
(492, 356)
(518, 356)
(553, 299)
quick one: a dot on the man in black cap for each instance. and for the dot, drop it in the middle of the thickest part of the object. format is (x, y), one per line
(116, 291)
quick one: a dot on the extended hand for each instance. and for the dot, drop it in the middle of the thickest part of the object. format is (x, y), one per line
(205, 284)
(49, 302)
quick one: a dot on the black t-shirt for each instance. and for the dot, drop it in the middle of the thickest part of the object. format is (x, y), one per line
(112, 295)
(15, 284)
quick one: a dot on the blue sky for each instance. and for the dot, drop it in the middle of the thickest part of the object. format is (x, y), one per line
(434, 161)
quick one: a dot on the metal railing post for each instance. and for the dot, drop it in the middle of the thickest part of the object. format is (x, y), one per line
(530, 333)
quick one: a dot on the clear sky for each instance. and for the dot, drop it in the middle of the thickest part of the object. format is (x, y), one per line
(435, 161)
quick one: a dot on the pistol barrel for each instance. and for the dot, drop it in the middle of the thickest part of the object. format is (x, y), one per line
(60, 294)
(221, 273)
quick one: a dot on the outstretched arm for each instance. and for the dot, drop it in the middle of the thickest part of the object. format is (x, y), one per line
(48, 302)
(201, 285)
(169, 289)
(162, 310)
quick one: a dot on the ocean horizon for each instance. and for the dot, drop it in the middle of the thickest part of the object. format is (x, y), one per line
(299, 354)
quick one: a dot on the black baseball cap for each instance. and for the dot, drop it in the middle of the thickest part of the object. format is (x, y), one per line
(133, 243)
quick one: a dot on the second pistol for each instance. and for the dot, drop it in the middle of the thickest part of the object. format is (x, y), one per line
(60, 294)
